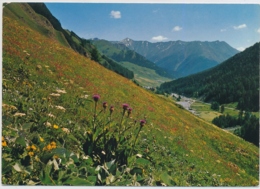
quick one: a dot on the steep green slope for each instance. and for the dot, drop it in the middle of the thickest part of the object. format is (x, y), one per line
(48, 114)
(144, 76)
(80, 45)
(235, 80)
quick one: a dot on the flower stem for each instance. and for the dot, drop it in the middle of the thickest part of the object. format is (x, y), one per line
(94, 120)
(120, 126)
(135, 141)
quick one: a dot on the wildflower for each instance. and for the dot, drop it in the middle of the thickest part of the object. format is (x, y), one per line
(55, 126)
(61, 91)
(111, 109)
(60, 108)
(33, 148)
(41, 139)
(28, 148)
(125, 106)
(84, 96)
(48, 147)
(105, 105)
(142, 122)
(129, 111)
(31, 154)
(51, 115)
(66, 130)
(54, 94)
(53, 144)
(4, 143)
(96, 97)
(48, 124)
(19, 114)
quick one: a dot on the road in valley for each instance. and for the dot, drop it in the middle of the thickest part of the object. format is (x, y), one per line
(185, 102)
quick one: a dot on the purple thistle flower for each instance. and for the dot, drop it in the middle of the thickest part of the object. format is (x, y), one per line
(142, 122)
(105, 105)
(111, 109)
(96, 97)
(125, 106)
(129, 111)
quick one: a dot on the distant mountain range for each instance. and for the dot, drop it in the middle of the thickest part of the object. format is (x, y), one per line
(120, 53)
(182, 58)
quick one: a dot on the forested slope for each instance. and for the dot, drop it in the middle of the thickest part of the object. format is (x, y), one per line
(235, 80)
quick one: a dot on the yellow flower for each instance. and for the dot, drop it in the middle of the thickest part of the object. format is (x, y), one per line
(53, 144)
(4, 143)
(33, 148)
(28, 148)
(55, 126)
(48, 147)
(41, 139)
(31, 153)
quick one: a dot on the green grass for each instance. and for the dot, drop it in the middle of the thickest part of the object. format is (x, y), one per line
(145, 76)
(177, 148)
(204, 111)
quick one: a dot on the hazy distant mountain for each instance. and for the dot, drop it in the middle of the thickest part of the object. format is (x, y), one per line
(182, 58)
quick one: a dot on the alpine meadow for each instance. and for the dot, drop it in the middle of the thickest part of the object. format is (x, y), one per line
(74, 115)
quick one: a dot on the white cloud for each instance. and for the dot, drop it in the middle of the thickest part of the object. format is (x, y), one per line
(159, 38)
(258, 31)
(115, 14)
(177, 28)
(223, 30)
(241, 48)
(240, 27)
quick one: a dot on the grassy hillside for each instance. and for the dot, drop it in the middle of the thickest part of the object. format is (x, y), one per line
(145, 76)
(38, 14)
(47, 125)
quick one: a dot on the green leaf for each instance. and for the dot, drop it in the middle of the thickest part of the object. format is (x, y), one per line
(78, 182)
(45, 174)
(6, 167)
(75, 158)
(61, 152)
(167, 179)
(21, 141)
(70, 136)
(92, 179)
(136, 170)
(142, 162)
(46, 157)
(42, 120)
(111, 167)
(27, 125)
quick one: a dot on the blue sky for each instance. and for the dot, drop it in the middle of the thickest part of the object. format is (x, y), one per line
(236, 24)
